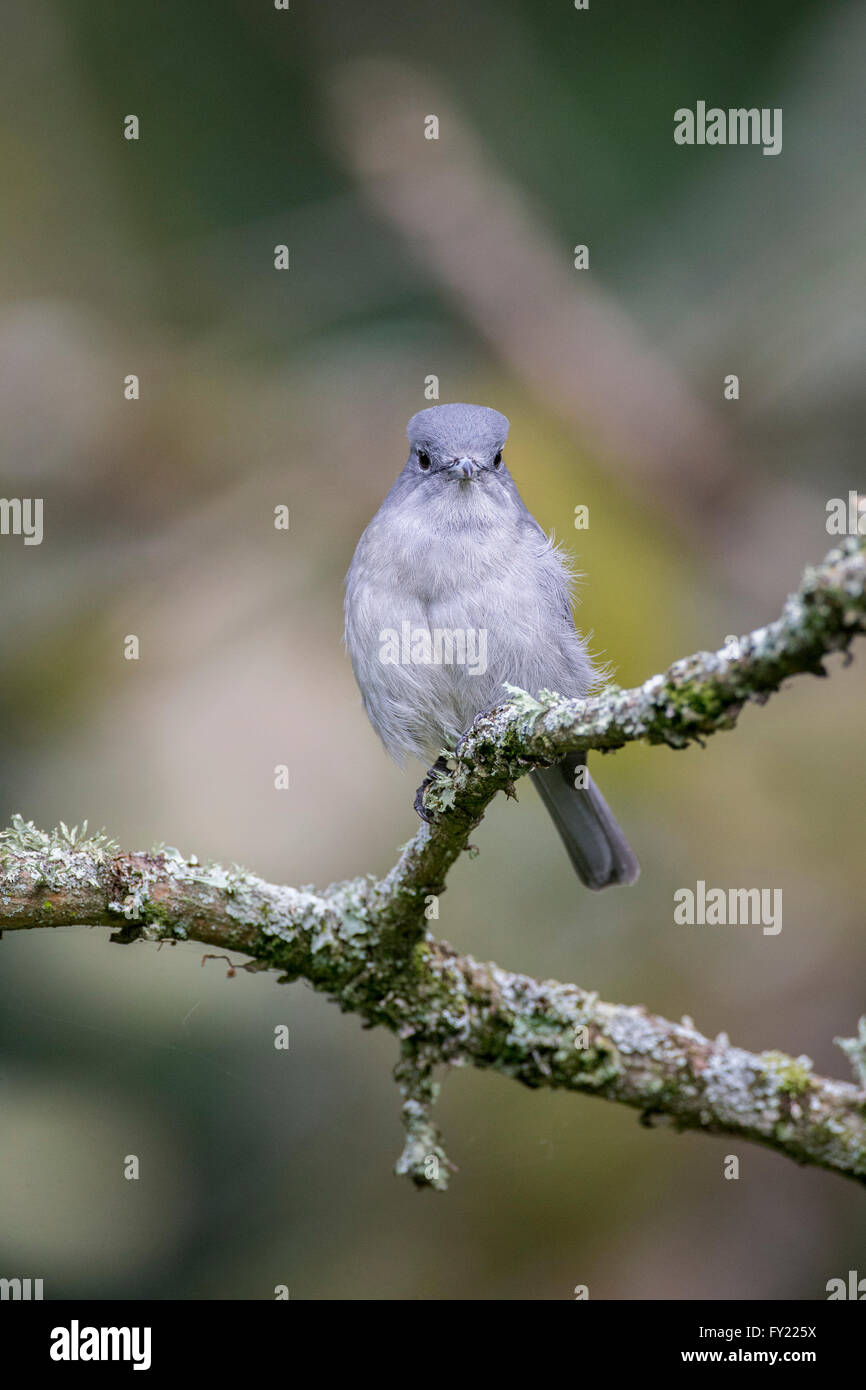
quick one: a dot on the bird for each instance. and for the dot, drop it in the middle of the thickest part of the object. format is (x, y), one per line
(454, 592)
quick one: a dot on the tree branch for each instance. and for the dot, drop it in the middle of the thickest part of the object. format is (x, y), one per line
(364, 942)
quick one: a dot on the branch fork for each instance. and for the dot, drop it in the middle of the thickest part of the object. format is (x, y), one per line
(365, 942)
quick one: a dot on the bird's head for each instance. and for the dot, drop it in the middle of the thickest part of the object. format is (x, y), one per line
(457, 445)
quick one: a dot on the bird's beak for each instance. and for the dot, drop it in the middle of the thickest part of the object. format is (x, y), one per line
(464, 469)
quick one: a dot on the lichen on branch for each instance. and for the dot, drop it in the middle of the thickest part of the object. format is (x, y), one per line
(365, 942)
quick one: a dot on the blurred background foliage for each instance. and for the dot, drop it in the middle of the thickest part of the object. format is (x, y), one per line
(408, 258)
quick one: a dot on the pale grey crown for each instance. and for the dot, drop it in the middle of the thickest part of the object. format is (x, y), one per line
(450, 431)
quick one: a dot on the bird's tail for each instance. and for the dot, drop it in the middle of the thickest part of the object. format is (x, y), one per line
(596, 846)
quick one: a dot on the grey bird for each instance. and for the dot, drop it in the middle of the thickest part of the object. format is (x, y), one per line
(454, 589)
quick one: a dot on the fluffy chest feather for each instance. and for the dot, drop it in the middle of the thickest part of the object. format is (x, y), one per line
(472, 564)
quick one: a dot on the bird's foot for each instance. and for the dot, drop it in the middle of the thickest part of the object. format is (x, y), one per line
(438, 767)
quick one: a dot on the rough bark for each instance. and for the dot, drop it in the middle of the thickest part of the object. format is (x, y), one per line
(365, 942)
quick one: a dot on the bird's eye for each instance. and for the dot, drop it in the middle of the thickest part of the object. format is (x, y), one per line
(423, 460)
(498, 459)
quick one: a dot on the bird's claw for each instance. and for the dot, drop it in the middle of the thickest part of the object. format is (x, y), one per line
(438, 767)
(419, 801)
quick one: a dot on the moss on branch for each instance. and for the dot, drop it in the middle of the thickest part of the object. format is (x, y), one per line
(365, 943)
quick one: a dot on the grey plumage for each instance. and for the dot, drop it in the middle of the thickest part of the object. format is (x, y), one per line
(453, 550)
(596, 846)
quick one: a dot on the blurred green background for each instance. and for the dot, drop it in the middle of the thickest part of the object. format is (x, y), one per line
(409, 258)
